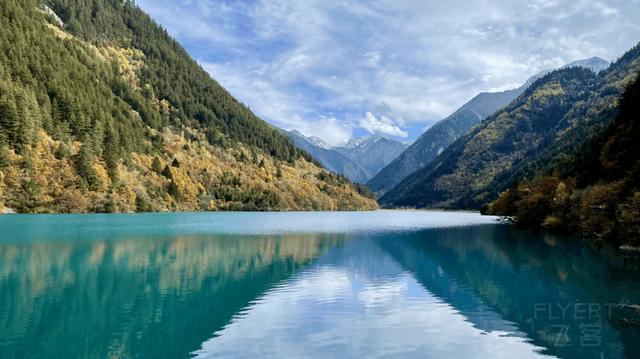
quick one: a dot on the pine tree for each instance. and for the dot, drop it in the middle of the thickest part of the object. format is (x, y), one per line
(5, 160)
(31, 190)
(28, 119)
(173, 189)
(156, 165)
(110, 153)
(142, 205)
(84, 166)
(166, 172)
(9, 118)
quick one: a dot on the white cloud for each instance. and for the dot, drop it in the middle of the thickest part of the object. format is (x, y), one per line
(377, 295)
(606, 10)
(173, 15)
(282, 108)
(318, 65)
(382, 125)
(333, 311)
(331, 130)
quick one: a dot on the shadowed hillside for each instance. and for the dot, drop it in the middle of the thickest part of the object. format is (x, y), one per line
(550, 120)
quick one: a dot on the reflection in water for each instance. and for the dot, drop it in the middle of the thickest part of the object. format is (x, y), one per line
(557, 291)
(140, 297)
(475, 292)
(355, 302)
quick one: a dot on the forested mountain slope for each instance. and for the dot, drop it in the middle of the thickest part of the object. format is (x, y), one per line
(438, 137)
(445, 132)
(100, 110)
(595, 192)
(550, 119)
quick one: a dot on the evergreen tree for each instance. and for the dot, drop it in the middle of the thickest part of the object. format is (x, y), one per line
(9, 119)
(173, 189)
(110, 153)
(31, 190)
(166, 172)
(142, 205)
(28, 119)
(156, 165)
(110, 205)
(5, 160)
(84, 167)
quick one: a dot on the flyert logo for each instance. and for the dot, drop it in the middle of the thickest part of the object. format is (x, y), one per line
(581, 323)
(574, 311)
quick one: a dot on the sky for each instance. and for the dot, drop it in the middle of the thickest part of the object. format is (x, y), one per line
(342, 69)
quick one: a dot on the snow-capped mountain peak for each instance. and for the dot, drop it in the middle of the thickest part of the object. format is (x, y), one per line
(316, 141)
(595, 64)
(364, 141)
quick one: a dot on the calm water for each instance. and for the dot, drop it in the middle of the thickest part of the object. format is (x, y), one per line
(347, 285)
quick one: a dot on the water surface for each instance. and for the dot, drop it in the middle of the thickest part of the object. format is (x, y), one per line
(376, 284)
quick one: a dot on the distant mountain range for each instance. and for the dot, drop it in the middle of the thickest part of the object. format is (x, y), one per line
(438, 137)
(331, 159)
(595, 64)
(373, 152)
(547, 123)
(359, 160)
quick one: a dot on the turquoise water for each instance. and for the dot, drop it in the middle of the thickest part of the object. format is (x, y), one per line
(308, 285)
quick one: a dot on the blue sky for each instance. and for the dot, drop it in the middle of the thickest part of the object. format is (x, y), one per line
(344, 69)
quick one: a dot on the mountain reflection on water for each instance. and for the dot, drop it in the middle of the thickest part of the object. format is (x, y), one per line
(473, 291)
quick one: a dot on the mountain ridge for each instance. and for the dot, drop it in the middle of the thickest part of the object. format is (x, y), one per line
(595, 192)
(549, 119)
(330, 158)
(446, 131)
(358, 159)
(372, 152)
(103, 111)
(437, 138)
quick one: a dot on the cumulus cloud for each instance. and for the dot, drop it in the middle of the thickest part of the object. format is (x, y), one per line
(331, 130)
(382, 125)
(299, 64)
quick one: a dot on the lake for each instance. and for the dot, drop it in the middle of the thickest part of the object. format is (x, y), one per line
(406, 284)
